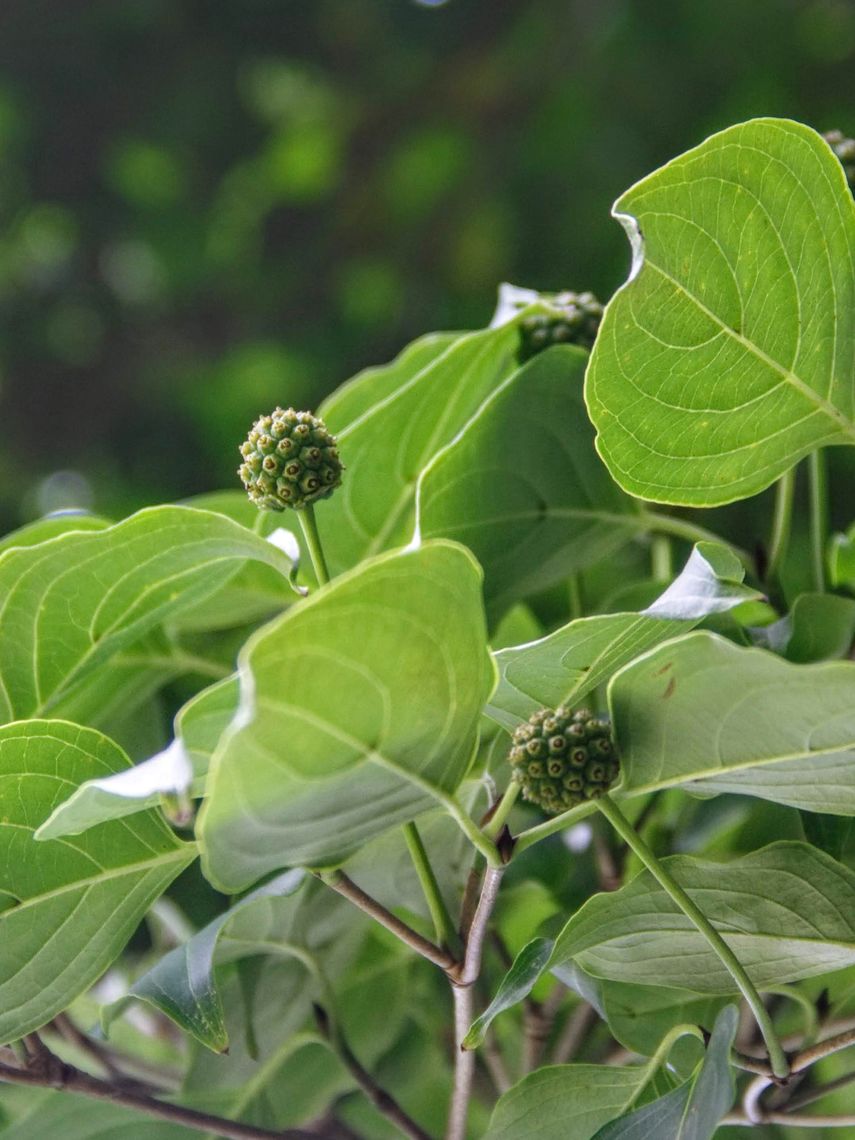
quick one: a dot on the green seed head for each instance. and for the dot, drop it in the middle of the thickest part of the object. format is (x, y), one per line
(575, 319)
(844, 148)
(563, 758)
(289, 460)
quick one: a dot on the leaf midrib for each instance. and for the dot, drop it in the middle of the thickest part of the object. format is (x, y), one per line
(180, 854)
(847, 427)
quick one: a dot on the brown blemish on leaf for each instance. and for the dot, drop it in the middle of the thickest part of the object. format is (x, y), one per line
(669, 688)
(665, 668)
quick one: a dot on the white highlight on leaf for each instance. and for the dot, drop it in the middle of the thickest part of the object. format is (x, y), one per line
(287, 542)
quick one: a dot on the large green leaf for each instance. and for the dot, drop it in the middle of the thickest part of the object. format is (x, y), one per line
(702, 712)
(560, 1101)
(389, 443)
(67, 907)
(358, 707)
(67, 605)
(730, 353)
(372, 385)
(787, 911)
(692, 1111)
(571, 662)
(522, 486)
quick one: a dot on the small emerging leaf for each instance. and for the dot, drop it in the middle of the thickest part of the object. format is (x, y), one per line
(518, 983)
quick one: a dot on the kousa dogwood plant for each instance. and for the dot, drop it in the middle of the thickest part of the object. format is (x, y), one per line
(484, 766)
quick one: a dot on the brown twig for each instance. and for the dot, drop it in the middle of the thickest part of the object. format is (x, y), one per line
(574, 1033)
(383, 1101)
(463, 979)
(345, 886)
(793, 1119)
(45, 1070)
(753, 1110)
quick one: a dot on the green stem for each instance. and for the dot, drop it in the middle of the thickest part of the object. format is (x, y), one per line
(660, 1057)
(551, 826)
(471, 830)
(660, 558)
(781, 521)
(807, 1006)
(503, 809)
(446, 935)
(313, 541)
(777, 1059)
(818, 490)
(691, 532)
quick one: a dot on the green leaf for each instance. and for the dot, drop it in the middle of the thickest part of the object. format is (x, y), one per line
(522, 486)
(560, 1101)
(730, 352)
(182, 984)
(823, 626)
(358, 709)
(51, 526)
(716, 717)
(77, 901)
(640, 1016)
(517, 983)
(693, 1111)
(256, 591)
(70, 603)
(371, 386)
(787, 911)
(181, 769)
(386, 447)
(571, 662)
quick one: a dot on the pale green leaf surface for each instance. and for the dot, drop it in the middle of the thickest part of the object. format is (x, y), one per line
(256, 591)
(51, 526)
(67, 605)
(730, 352)
(373, 385)
(358, 708)
(78, 900)
(560, 1101)
(386, 447)
(571, 662)
(522, 485)
(702, 712)
(787, 911)
(640, 1016)
(693, 1111)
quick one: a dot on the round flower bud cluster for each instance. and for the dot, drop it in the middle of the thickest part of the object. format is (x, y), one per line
(289, 460)
(844, 148)
(563, 758)
(575, 319)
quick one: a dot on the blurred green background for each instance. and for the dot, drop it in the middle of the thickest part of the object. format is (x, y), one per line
(208, 207)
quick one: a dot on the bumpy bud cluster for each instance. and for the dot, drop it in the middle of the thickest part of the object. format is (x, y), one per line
(289, 460)
(575, 320)
(844, 148)
(563, 758)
